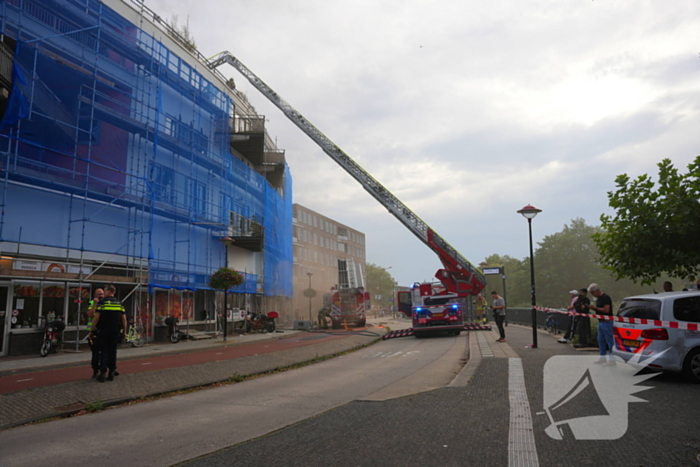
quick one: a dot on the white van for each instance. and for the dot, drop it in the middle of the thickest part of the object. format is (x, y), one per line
(682, 346)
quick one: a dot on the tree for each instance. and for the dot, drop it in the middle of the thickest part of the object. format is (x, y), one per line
(517, 279)
(565, 261)
(224, 279)
(380, 282)
(655, 227)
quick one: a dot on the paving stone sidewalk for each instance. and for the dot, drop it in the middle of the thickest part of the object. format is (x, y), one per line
(35, 404)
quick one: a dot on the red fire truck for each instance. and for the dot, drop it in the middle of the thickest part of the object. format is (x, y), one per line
(432, 308)
(348, 307)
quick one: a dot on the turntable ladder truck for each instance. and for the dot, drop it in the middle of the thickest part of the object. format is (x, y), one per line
(459, 277)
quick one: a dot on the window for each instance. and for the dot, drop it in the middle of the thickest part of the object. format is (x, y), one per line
(163, 184)
(640, 308)
(197, 196)
(687, 309)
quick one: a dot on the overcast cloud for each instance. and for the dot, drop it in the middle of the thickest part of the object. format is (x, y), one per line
(466, 110)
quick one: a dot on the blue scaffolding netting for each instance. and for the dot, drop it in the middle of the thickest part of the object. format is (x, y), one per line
(113, 144)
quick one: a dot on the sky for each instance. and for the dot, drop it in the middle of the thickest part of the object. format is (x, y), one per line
(465, 110)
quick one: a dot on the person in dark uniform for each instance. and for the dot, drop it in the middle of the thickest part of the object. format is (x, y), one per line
(110, 324)
(584, 323)
(92, 341)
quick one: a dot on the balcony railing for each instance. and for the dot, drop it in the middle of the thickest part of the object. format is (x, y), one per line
(6, 57)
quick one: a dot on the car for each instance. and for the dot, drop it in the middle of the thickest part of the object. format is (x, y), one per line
(664, 347)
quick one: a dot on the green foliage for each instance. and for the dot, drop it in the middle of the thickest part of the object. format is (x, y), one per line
(655, 228)
(225, 278)
(310, 293)
(95, 406)
(380, 283)
(236, 378)
(182, 33)
(564, 261)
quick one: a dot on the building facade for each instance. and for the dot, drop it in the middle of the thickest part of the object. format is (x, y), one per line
(125, 159)
(319, 244)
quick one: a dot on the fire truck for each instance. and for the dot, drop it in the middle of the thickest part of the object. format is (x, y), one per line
(349, 301)
(432, 308)
(458, 277)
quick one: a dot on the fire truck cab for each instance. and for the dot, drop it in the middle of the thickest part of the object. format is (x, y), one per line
(432, 308)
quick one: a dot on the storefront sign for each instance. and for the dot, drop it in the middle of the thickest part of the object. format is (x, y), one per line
(27, 265)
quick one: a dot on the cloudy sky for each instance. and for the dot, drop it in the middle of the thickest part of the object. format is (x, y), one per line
(466, 110)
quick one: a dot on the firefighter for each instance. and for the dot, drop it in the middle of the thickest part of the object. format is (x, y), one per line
(323, 313)
(481, 306)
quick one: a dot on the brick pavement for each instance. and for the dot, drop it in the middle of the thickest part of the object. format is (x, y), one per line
(29, 405)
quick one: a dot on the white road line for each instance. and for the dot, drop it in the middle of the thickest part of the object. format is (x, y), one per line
(22, 380)
(147, 363)
(522, 451)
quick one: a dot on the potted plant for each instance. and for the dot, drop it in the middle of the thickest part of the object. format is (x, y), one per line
(224, 279)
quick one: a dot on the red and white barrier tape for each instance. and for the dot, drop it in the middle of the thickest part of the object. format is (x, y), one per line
(653, 322)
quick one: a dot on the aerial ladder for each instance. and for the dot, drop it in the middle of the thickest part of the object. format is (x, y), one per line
(459, 276)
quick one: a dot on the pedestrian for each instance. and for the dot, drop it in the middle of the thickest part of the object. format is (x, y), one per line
(109, 324)
(499, 314)
(92, 341)
(668, 287)
(603, 306)
(584, 322)
(573, 320)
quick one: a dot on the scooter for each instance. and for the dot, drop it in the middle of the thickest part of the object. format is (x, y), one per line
(52, 336)
(173, 330)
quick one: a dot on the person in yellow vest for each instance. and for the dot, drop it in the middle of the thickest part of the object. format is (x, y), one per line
(110, 325)
(481, 306)
(92, 341)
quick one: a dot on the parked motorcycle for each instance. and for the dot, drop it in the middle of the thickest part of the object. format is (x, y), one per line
(173, 330)
(261, 322)
(52, 336)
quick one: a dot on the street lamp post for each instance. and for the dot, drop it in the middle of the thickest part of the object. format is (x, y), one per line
(529, 212)
(310, 319)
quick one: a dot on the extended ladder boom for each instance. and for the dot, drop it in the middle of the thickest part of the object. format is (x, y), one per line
(451, 259)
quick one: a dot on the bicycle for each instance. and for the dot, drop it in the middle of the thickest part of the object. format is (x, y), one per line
(136, 335)
(551, 324)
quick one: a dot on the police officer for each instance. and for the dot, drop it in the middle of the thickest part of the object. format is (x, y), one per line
(110, 325)
(92, 341)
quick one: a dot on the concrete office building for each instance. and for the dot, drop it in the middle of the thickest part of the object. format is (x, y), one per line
(319, 243)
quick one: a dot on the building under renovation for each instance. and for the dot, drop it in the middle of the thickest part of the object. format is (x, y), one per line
(125, 159)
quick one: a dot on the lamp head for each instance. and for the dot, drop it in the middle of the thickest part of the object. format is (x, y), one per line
(529, 211)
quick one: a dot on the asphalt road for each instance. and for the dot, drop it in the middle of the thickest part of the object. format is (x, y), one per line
(176, 429)
(469, 426)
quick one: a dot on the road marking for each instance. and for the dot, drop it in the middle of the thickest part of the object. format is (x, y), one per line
(392, 354)
(522, 451)
(23, 380)
(483, 345)
(219, 353)
(147, 363)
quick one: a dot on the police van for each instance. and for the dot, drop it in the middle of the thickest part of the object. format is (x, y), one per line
(664, 347)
